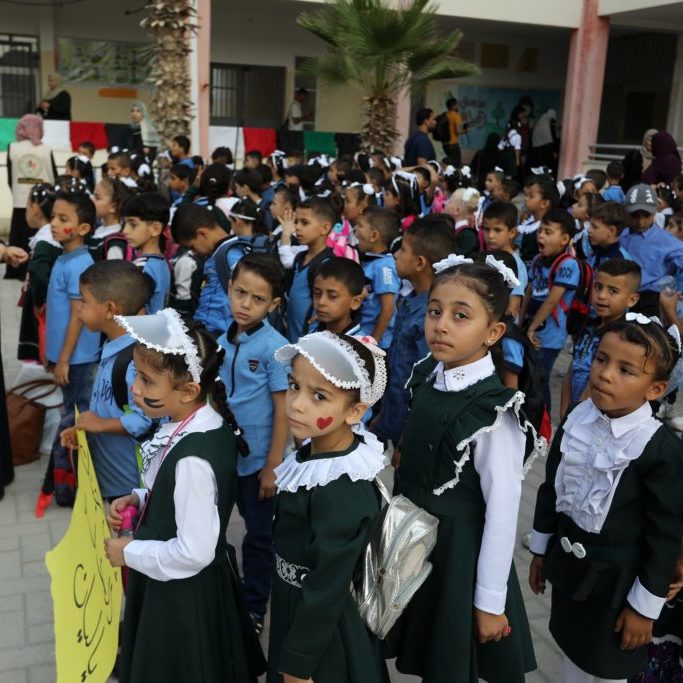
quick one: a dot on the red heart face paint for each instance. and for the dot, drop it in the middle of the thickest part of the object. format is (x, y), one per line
(323, 422)
(68, 231)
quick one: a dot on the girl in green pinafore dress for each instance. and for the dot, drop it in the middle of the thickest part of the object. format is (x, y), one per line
(462, 459)
(184, 617)
(324, 512)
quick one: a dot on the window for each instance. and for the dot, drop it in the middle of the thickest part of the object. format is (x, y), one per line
(495, 56)
(251, 96)
(18, 75)
(309, 83)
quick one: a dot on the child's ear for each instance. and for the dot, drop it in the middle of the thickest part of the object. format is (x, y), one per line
(656, 390)
(633, 299)
(274, 304)
(375, 236)
(326, 229)
(191, 392)
(513, 233)
(83, 229)
(421, 263)
(111, 308)
(157, 228)
(496, 331)
(357, 301)
(355, 413)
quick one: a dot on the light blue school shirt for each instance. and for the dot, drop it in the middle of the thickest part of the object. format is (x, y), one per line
(114, 455)
(656, 251)
(614, 193)
(553, 331)
(380, 278)
(61, 291)
(156, 267)
(513, 354)
(299, 302)
(251, 375)
(214, 308)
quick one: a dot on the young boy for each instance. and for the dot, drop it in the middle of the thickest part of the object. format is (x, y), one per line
(71, 351)
(540, 196)
(424, 244)
(313, 223)
(657, 252)
(551, 290)
(500, 231)
(255, 385)
(119, 165)
(180, 151)
(375, 230)
(196, 228)
(114, 422)
(178, 183)
(144, 218)
(337, 296)
(613, 191)
(608, 220)
(615, 290)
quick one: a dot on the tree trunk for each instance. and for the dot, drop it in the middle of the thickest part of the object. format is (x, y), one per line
(379, 131)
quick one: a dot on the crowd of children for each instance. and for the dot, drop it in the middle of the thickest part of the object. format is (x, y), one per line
(203, 326)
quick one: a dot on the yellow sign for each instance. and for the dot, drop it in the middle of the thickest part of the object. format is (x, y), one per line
(86, 589)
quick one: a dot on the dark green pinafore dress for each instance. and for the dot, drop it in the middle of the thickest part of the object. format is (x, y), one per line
(193, 629)
(435, 636)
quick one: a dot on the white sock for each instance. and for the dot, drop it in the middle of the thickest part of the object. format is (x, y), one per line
(572, 674)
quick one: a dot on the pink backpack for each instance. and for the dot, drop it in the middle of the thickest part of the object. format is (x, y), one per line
(338, 241)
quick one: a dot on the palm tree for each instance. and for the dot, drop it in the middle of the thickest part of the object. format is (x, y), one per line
(171, 23)
(380, 50)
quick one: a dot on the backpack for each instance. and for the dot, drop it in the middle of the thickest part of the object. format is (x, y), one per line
(577, 311)
(531, 381)
(481, 242)
(186, 306)
(257, 244)
(442, 129)
(394, 563)
(100, 249)
(313, 266)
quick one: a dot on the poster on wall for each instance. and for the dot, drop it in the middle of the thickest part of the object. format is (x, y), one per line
(103, 62)
(487, 109)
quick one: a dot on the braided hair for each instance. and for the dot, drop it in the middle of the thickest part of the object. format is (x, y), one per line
(43, 196)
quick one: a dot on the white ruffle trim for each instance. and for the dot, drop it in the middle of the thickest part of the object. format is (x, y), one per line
(363, 463)
(540, 444)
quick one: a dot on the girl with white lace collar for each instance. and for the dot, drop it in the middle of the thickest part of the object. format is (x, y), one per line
(607, 527)
(462, 459)
(178, 553)
(324, 511)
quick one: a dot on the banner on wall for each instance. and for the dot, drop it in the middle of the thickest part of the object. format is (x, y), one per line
(488, 109)
(86, 589)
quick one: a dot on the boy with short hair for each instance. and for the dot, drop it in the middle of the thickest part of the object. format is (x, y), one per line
(657, 252)
(313, 222)
(337, 296)
(375, 230)
(551, 288)
(114, 422)
(178, 183)
(540, 197)
(424, 244)
(252, 158)
(255, 385)
(615, 174)
(196, 228)
(614, 291)
(144, 218)
(180, 151)
(119, 165)
(71, 351)
(500, 231)
(607, 222)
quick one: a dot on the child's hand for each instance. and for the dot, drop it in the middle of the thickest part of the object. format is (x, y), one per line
(90, 422)
(668, 304)
(293, 679)
(490, 626)
(68, 438)
(15, 256)
(636, 630)
(288, 224)
(266, 477)
(396, 456)
(61, 373)
(537, 575)
(114, 516)
(113, 549)
(533, 338)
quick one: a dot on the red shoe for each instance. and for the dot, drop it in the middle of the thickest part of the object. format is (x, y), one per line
(43, 502)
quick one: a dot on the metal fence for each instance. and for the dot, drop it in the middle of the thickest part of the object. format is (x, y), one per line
(19, 75)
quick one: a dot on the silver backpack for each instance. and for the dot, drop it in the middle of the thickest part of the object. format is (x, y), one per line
(395, 561)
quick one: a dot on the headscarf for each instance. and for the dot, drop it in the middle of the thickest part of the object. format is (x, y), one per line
(150, 137)
(666, 164)
(30, 127)
(644, 151)
(53, 92)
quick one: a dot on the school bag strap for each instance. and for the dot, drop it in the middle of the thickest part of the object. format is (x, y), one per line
(259, 244)
(554, 267)
(118, 376)
(313, 266)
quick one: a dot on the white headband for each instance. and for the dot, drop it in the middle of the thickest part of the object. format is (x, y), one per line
(451, 261)
(641, 319)
(508, 274)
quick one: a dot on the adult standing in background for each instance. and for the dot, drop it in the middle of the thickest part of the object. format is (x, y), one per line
(666, 161)
(56, 104)
(545, 142)
(29, 162)
(297, 115)
(419, 149)
(455, 128)
(143, 136)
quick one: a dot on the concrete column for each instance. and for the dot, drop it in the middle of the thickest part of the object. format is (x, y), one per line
(583, 88)
(403, 121)
(46, 45)
(674, 121)
(200, 75)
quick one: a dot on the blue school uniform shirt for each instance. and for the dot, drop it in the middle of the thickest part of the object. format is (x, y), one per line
(553, 331)
(380, 278)
(62, 289)
(214, 308)
(582, 358)
(513, 355)
(156, 267)
(251, 374)
(114, 455)
(656, 251)
(599, 255)
(408, 347)
(614, 193)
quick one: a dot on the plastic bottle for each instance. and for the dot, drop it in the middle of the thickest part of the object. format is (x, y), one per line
(667, 285)
(127, 518)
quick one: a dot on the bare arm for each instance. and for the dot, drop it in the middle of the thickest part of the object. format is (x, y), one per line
(525, 303)
(546, 309)
(72, 332)
(566, 395)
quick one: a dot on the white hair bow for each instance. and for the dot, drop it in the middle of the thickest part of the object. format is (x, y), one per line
(451, 261)
(499, 169)
(672, 330)
(366, 187)
(469, 193)
(449, 171)
(144, 170)
(83, 158)
(676, 334)
(508, 274)
(466, 171)
(638, 318)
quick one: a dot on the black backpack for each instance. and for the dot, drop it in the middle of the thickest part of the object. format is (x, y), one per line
(256, 244)
(442, 129)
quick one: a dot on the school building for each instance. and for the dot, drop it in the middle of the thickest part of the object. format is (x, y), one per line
(611, 68)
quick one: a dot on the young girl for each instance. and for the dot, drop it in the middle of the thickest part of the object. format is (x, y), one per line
(462, 460)
(183, 610)
(80, 167)
(246, 219)
(581, 211)
(357, 198)
(108, 240)
(462, 206)
(607, 527)
(401, 194)
(324, 511)
(44, 252)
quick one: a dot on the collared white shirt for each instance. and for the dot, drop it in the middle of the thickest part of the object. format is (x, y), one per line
(457, 379)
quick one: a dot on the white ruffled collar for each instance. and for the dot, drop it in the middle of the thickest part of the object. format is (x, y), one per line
(530, 225)
(618, 425)
(364, 462)
(457, 379)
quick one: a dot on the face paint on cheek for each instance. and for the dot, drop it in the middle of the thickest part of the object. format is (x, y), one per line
(68, 231)
(323, 422)
(153, 403)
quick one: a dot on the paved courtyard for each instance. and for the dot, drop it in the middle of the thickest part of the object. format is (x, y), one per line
(26, 626)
